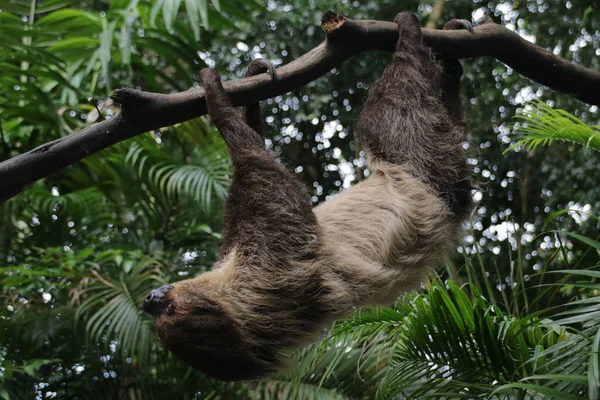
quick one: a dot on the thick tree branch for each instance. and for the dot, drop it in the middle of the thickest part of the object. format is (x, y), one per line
(143, 111)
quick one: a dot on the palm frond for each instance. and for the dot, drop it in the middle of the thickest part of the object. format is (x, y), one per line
(576, 355)
(540, 124)
(34, 329)
(281, 389)
(85, 204)
(453, 345)
(203, 181)
(111, 309)
(440, 344)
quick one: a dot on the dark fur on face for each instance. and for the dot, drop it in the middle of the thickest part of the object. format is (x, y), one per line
(286, 270)
(199, 330)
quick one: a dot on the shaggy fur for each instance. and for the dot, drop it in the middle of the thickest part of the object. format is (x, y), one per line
(286, 270)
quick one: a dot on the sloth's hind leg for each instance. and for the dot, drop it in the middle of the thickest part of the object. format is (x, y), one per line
(447, 78)
(252, 111)
(402, 110)
(404, 121)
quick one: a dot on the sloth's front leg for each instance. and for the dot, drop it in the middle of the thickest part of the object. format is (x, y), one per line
(238, 136)
(268, 214)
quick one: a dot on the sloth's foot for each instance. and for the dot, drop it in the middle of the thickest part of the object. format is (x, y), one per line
(457, 24)
(409, 28)
(260, 66)
(210, 79)
(452, 68)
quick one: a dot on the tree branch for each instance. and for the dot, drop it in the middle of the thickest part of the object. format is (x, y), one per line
(144, 111)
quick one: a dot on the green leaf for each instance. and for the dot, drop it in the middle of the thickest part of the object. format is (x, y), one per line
(105, 50)
(594, 368)
(69, 18)
(577, 272)
(196, 8)
(216, 4)
(590, 242)
(52, 5)
(129, 18)
(76, 44)
(33, 365)
(558, 377)
(541, 124)
(170, 9)
(544, 390)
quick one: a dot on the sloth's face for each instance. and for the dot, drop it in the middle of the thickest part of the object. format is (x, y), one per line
(193, 324)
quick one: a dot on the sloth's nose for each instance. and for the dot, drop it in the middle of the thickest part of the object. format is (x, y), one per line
(154, 303)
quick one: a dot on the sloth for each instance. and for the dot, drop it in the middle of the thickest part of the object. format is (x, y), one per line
(286, 270)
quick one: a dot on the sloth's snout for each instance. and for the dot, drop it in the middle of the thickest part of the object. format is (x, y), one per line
(155, 303)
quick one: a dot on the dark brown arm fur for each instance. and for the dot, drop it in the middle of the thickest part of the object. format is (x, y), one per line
(263, 193)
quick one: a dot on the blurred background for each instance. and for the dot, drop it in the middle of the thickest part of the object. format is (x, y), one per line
(515, 314)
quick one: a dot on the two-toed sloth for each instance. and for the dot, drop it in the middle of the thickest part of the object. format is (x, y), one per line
(287, 270)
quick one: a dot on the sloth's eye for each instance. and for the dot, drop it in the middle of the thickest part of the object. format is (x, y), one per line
(170, 308)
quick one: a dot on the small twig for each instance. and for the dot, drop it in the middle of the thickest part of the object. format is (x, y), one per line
(95, 103)
(144, 111)
(102, 279)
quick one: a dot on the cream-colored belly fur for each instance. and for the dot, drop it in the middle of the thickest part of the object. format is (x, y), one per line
(383, 233)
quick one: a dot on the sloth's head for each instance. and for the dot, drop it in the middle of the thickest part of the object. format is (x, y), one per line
(193, 323)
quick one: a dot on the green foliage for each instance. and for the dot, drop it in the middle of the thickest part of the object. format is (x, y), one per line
(541, 124)
(111, 307)
(176, 181)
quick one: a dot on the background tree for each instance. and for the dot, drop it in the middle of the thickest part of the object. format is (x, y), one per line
(80, 249)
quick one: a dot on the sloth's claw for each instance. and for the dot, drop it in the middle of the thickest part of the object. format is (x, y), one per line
(260, 66)
(456, 24)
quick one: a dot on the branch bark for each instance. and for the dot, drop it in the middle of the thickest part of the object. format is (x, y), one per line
(144, 111)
